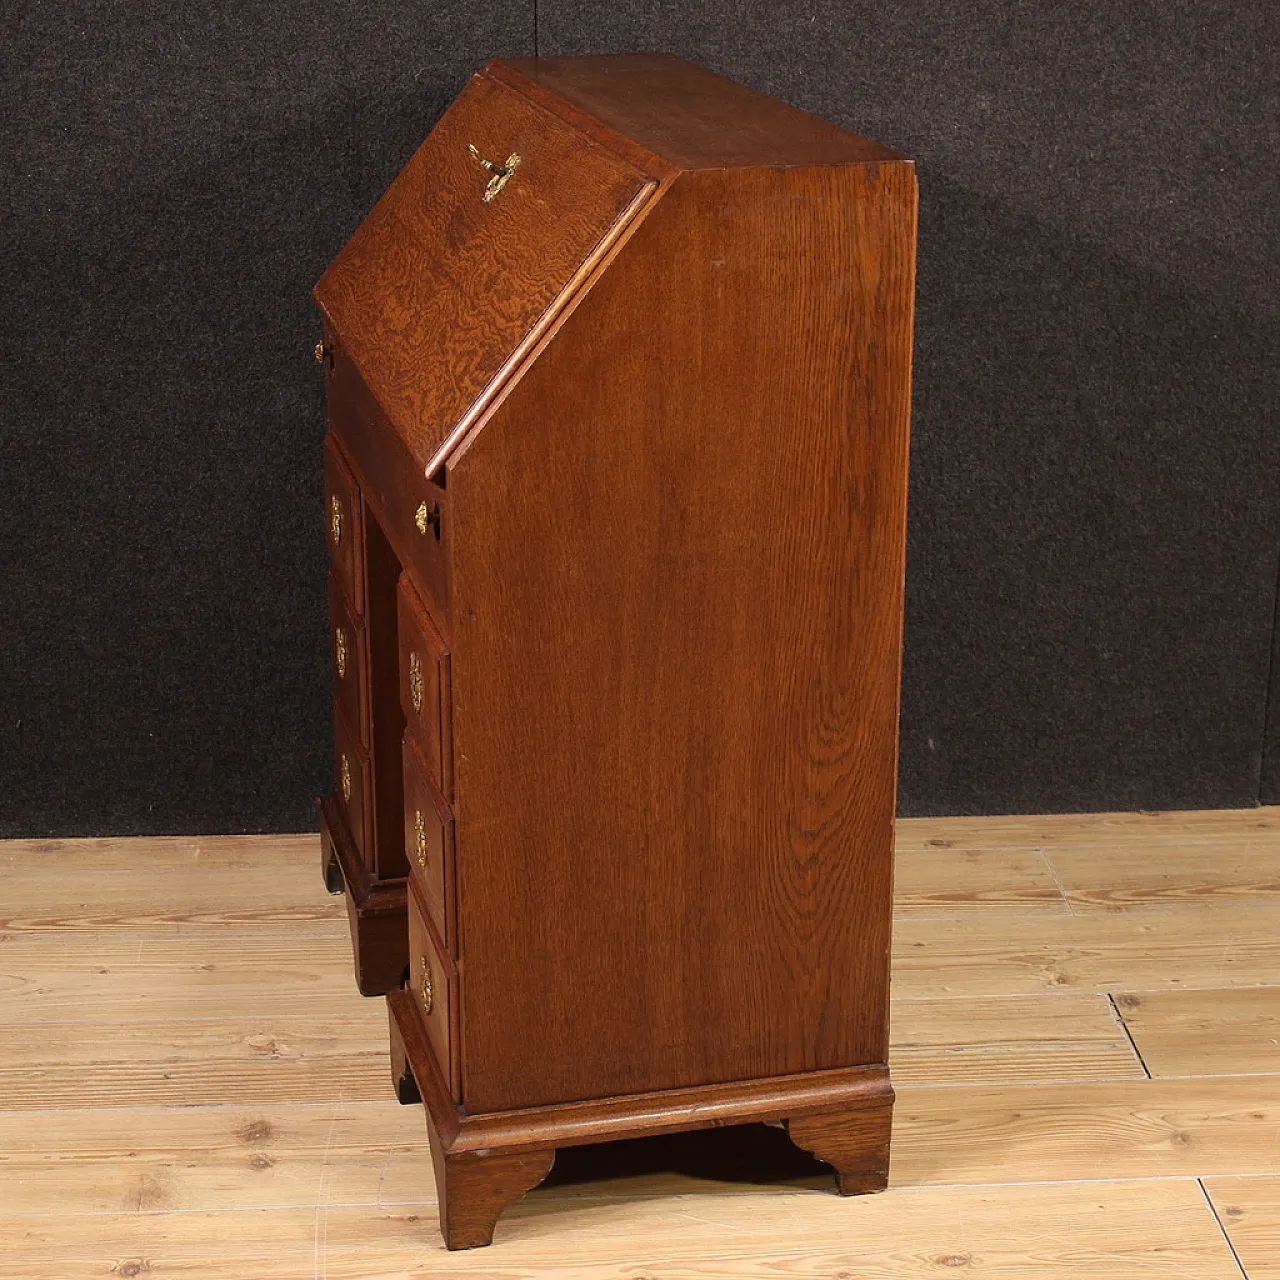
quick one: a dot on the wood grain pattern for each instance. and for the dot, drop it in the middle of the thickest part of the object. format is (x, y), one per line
(691, 117)
(212, 1061)
(91, 1187)
(1249, 1210)
(1204, 1033)
(1063, 1035)
(1162, 830)
(1096, 1231)
(1235, 867)
(681, 566)
(436, 288)
(1157, 950)
(933, 880)
(1125, 1129)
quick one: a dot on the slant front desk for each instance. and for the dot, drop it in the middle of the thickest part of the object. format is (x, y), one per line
(618, 379)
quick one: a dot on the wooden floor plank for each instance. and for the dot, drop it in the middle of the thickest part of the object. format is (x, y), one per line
(931, 881)
(1120, 877)
(1105, 1231)
(1127, 1129)
(1249, 1210)
(1172, 948)
(1055, 1036)
(1099, 830)
(1190, 1033)
(184, 1063)
(124, 975)
(216, 882)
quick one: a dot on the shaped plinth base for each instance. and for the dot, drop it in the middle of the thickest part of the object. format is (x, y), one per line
(485, 1162)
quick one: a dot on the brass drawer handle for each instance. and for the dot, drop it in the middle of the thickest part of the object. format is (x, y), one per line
(424, 985)
(346, 778)
(501, 172)
(340, 652)
(415, 681)
(335, 519)
(420, 833)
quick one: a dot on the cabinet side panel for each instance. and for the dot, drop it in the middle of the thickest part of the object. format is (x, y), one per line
(678, 563)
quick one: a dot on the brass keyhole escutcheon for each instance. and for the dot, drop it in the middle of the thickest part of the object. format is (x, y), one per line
(415, 681)
(340, 652)
(420, 833)
(502, 173)
(346, 779)
(424, 985)
(335, 519)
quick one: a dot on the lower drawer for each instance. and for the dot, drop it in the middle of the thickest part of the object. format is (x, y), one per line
(353, 785)
(428, 841)
(433, 980)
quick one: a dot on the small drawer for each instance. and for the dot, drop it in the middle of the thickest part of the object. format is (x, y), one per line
(428, 841)
(433, 982)
(349, 653)
(424, 687)
(352, 787)
(344, 524)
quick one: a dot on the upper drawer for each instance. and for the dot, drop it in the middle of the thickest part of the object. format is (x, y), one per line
(424, 687)
(459, 266)
(344, 524)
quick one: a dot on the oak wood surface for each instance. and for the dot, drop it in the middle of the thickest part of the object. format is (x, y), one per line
(605, 752)
(437, 276)
(687, 115)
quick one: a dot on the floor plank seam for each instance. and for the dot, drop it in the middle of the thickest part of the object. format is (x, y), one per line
(1057, 879)
(1128, 1035)
(1226, 1235)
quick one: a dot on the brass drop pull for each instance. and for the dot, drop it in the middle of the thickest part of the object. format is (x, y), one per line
(335, 519)
(323, 353)
(424, 985)
(346, 778)
(415, 681)
(420, 833)
(340, 652)
(501, 172)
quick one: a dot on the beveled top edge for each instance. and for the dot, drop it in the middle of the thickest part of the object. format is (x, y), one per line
(692, 117)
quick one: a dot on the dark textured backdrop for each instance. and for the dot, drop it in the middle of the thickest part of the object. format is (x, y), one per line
(1096, 471)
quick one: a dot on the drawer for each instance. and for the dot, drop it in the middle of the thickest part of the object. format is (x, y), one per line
(352, 786)
(412, 510)
(344, 524)
(428, 840)
(349, 653)
(433, 982)
(424, 687)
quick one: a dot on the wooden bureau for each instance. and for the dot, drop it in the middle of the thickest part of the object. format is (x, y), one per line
(618, 377)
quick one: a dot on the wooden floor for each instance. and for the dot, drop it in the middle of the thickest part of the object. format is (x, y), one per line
(1086, 1048)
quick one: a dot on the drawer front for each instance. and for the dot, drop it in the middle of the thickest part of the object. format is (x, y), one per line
(433, 981)
(349, 655)
(412, 510)
(352, 786)
(344, 524)
(424, 687)
(457, 264)
(428, 841)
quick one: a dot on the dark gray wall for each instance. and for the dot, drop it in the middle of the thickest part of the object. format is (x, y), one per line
(1096, 470)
